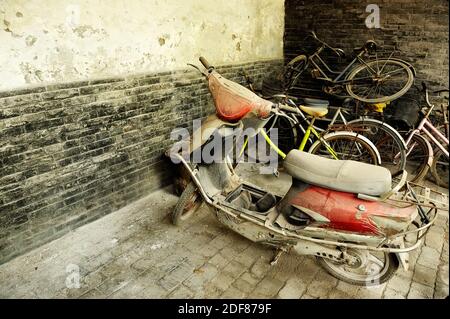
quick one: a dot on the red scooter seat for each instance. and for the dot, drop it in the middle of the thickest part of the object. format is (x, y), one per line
(233, 101)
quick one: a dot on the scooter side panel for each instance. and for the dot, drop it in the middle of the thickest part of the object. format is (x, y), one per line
(348, 213)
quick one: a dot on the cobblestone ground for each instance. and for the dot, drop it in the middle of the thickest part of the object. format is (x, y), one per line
(136, 253)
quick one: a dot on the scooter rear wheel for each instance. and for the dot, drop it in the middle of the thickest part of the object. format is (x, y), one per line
(189, 202)
(371, 272)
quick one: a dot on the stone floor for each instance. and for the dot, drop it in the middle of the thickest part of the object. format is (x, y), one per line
(137, 253)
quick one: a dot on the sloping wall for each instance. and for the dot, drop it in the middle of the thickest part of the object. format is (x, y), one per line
(67, 40)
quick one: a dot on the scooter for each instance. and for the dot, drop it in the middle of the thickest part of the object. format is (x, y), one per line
(340, 211)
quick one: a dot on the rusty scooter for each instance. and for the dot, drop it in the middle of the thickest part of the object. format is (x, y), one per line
(342, 212)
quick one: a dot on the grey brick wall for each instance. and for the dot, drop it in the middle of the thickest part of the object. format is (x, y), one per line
(419, 30)
(73, 152)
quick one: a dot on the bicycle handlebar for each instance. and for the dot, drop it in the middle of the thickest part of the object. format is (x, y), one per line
(339, 52)
(425, 89)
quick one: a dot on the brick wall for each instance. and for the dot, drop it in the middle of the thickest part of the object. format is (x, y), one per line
(419, 29)
(73, 152)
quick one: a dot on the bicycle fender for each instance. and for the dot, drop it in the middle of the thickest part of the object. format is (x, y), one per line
(413, 70)
(365, 139)
(383, 124)
(430, 150)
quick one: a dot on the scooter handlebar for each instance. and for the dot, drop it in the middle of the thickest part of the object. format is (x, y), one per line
(205, 63)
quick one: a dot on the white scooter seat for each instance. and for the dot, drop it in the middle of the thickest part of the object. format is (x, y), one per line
(341, 175)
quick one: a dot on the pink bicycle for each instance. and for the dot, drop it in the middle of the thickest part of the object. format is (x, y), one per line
(427, 148)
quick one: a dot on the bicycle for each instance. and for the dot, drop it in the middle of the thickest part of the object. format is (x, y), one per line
(341, 145)
(372, 81)
(420, 153)
(387, 140)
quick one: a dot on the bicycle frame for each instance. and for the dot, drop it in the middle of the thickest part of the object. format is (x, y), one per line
(428, 129)
(306, 137)
(308, 132)
(336, 80)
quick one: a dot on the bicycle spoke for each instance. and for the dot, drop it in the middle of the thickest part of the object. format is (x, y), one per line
(388, 59)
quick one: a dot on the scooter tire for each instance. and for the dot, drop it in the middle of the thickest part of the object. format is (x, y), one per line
(188, 203)
(388, 273)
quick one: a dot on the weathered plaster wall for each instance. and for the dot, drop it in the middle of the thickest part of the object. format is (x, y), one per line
(65, 40)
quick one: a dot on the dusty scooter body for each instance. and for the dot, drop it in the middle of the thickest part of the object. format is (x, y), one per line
(342, 212)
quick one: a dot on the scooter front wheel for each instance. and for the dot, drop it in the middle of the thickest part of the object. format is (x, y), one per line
(371, 269)
(189, 202)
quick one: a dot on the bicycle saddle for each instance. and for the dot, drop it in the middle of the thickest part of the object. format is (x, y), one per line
(233, 101)
(370, 46)
(340, 175)
(315, 111)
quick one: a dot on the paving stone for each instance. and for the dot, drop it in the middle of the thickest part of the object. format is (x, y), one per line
(219, 261)
(93, 294)
(419, 291)
(176, 275)
(370, 292)
(441, 291)
(245, 258)
(393, 294)
(319, 287)
(429, 257)
(339, 294)
(308, 269)
(115, 283)
(93, 279)
(222, 281)
(181, 292)
(68, 293)
(260, 267)
(442, 275)
(293, 289)
(229, 253)
(435, 238)
(221, 241)
(98, 261)
(131, 290)
(201, 276)
(243, 285)
(445, 252)
(211, 292)
(424, 275)
(346, 288)
(235, 269)
(143, 264)
(207, 251)
(233, 293)
(306, 296)
(250, 278)
(399, 284)
(269, 286)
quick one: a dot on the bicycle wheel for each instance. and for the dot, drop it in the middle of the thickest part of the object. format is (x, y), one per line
(418, 158)
(387, 140)
(293, 70)
(379, 81)
(439, 168)
(347, 146)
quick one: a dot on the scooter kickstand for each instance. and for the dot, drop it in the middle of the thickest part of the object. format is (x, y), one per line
(277, 256)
